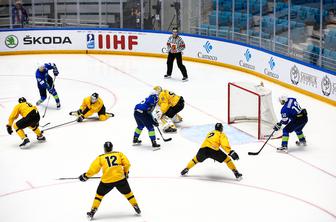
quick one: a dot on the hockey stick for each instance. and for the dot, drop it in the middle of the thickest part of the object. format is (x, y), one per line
(45, 110)
(75, 178)
(72, 121)
(45, 124)
(256, 153)
(166, 140)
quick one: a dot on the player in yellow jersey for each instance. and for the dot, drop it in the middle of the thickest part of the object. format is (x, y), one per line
(169, 105)
(30, 118)
(91, 105)
(211, 149)
(115, 167)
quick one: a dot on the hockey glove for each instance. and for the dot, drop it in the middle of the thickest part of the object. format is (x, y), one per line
(234, 155)
(79, 112)
(155, 122)
(277, 127)
(55, 70)
(83, 177)
(80, 118)
(9, 129)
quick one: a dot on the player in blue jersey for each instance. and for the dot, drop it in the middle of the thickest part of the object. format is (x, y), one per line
(143, 117)
(45, 82)
(295, 118)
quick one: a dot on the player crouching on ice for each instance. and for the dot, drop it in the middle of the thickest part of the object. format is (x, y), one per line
(211, 149)
(115, 166)
(45, 82)
(144, 118)
(294, 118)
(30, 118)
(91, 105)
(169, 105)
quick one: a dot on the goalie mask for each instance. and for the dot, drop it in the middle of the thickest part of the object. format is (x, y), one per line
(158, 89)
(108, 146)
(94, 97)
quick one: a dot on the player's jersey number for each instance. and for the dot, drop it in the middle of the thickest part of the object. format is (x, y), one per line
(111, 160)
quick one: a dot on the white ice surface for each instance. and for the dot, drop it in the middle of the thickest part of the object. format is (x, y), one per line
(300, 186)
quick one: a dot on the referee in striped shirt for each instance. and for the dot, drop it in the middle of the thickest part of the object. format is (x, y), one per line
(175, 46)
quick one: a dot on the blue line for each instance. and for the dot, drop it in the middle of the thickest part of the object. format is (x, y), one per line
(184, 34)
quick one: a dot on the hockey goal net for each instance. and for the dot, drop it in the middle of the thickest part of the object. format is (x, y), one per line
(251, 107)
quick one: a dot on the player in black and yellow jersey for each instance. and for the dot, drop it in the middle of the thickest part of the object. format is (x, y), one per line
(211, 149)
(91, 105)
(115, 167)
(170, 105)
(30, 118)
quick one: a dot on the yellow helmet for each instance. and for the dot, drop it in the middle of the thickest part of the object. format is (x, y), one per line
(158, 89)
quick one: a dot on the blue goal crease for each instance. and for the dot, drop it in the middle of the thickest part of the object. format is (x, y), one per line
(236, 137)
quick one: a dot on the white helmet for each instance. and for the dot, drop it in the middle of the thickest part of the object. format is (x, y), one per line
(283, 99)
(41, 66)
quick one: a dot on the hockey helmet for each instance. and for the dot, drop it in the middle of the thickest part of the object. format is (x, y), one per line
(283, 99)
(158, 89)
(94, 97)
(41, 67)
(108, 146)
(219, 127)
(22, 100)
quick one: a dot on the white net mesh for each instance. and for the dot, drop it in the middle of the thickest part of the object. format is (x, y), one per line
(251, 106)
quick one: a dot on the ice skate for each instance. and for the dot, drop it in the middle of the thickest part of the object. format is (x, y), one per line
(91, 213)
(167, 76)
(39, 102)
(184, 171)
(301, 143)
(238, 175)
(170, 130)
(282, 149)
(25, 144)
(41, 139)
(58, 105)
(137, 209)
(184, 79)
(110, 114)
(155, 145)
(136, 141)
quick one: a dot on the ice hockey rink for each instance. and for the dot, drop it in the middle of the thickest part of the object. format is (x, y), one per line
(298, 186)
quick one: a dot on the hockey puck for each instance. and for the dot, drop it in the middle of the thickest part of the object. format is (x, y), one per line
(158, 138)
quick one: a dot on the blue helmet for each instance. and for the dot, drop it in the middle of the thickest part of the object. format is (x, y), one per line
(153, 98)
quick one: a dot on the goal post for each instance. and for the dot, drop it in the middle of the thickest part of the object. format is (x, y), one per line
(250, 107)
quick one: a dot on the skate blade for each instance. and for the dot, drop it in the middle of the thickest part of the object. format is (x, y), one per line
(89, 218)
(283, 151)
(25, 146)
(156, 148)
(239, 178)
(136, 144)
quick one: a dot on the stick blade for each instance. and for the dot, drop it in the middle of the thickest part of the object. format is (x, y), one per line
(168, 139)
(252, 153)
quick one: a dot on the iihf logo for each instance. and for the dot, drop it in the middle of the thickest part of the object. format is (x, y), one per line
(90, 43)
(207, 46)
(247, 55)
(271, 63)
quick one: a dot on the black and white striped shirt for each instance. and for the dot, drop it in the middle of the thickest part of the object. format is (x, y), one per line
(175, 45)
